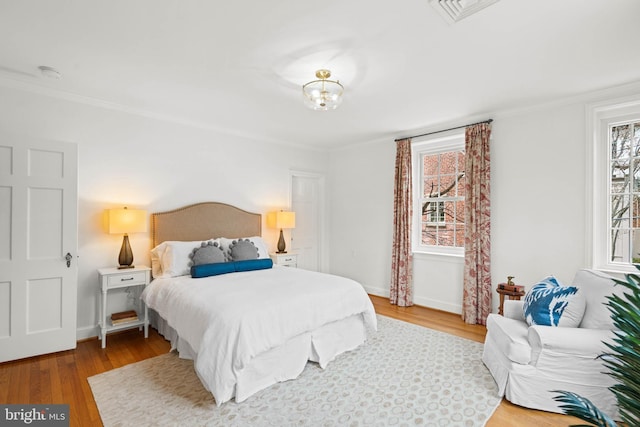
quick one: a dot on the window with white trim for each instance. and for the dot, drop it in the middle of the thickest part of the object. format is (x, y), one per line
(438, 171)
(435, 211)
(624, 191)
(615, 200)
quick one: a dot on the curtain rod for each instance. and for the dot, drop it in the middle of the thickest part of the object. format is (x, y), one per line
(444, 130)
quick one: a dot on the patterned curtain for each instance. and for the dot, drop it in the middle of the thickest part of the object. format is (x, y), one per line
(477, 292)
(401, 292)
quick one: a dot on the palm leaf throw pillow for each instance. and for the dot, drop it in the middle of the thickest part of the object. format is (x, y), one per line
(551, 304)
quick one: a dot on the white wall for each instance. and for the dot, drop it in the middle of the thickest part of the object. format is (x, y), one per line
(538, 192)
(361, 213)
(137, 161)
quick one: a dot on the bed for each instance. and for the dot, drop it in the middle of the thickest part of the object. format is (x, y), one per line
(246, 323)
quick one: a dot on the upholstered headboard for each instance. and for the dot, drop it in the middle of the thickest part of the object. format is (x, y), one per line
(204, 221)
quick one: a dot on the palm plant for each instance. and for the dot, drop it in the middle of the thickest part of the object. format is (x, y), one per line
(623, 362)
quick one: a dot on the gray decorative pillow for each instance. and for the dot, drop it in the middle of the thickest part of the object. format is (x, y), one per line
(207, 253)
(241, 250)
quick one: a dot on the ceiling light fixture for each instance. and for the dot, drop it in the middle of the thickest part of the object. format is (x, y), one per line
(323, 94)
(49, 72)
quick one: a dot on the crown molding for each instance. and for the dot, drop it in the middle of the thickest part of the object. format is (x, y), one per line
(595, 96)
(24, 86)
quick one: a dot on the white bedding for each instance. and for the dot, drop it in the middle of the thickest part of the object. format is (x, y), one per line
(230, 319)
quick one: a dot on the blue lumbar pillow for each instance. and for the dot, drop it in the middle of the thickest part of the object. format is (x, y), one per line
(551, 304)
(214, 269)
(253, 264)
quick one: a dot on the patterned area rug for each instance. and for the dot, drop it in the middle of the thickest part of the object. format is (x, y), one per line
(403, 375)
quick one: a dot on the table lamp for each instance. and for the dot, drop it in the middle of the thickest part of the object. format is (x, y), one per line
(282, 220)
(125, 221)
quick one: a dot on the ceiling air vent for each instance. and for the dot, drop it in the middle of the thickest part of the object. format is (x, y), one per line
(455, 10)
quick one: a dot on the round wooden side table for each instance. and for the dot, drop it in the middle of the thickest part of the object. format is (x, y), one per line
(515, 295)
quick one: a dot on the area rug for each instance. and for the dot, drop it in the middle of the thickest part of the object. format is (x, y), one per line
(403, 375)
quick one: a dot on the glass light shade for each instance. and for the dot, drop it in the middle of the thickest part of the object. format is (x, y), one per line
(323, 94)
(123, 221)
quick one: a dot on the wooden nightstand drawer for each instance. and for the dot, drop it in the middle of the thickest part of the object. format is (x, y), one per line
(133, 278)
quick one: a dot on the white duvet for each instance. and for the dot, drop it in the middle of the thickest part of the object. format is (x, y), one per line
(231, 318)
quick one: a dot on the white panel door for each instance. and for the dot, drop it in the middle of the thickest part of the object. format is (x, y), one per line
(38, 228)
(307, 202)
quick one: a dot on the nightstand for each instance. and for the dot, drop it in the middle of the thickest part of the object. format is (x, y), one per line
(286, 260)
(515, 295)
(114, 278)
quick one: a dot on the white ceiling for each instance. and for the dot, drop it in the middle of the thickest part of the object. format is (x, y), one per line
(238, 65)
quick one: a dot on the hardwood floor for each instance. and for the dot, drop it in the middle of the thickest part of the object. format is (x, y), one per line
(62, 377)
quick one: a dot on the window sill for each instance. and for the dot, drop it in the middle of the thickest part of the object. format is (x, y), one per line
(615, 269)
(427, 253)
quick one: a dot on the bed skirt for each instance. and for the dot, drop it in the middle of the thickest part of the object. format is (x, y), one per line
(285, 362)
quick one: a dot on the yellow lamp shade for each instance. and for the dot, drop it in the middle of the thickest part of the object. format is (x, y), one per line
(123, 221)
(285, 219)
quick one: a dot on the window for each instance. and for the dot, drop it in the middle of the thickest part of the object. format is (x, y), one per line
(624, 191)
(614, 201)
(436, 213)
(438, 169)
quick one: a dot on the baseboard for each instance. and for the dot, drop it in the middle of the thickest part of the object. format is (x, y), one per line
(424, 302)
(438, 305)
(379, 292)
(87, 332)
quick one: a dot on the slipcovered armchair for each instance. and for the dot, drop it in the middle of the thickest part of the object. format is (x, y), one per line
(529, 362)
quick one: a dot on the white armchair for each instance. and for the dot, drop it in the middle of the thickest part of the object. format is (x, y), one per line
(529, 362)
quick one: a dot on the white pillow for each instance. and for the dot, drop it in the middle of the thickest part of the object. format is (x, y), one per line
(173, 258)
(156, 259)
(258, 242)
